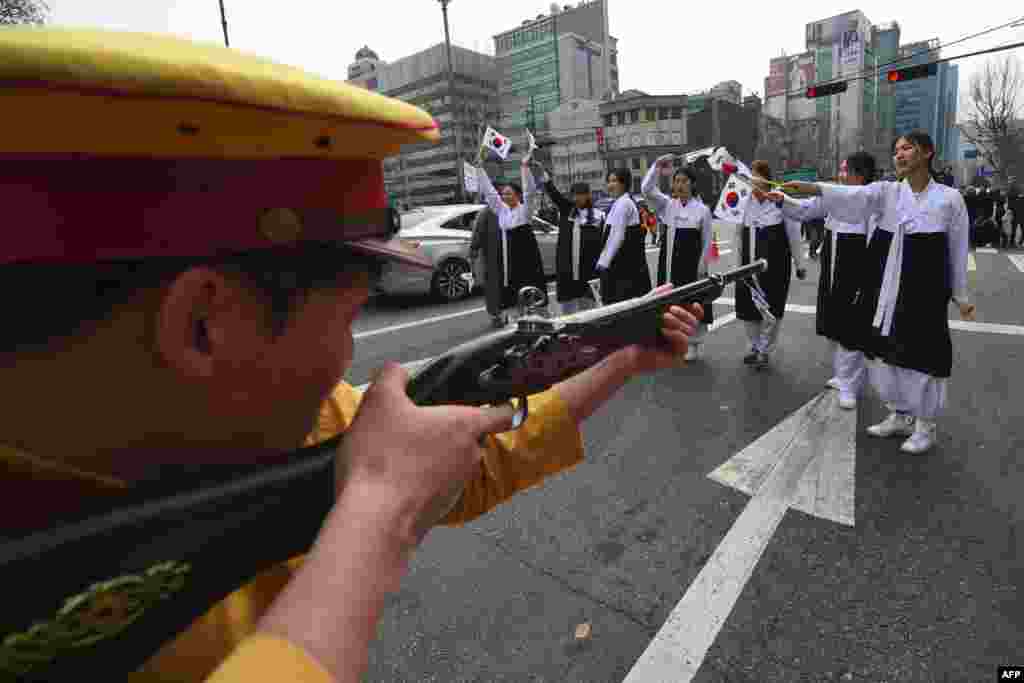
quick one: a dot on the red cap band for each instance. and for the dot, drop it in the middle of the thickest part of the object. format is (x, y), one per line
(74, 209)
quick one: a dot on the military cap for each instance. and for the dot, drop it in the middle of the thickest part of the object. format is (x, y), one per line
(120, 145)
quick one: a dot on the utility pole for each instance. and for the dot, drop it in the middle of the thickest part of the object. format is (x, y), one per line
(224, 23)
(456, 128)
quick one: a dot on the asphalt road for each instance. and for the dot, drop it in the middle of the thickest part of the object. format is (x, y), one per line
(925, 586)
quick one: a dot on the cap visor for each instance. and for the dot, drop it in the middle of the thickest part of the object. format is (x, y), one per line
(392, 250)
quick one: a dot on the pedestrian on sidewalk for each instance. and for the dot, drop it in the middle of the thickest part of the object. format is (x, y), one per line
(520, 264)
(766, 233)
(487, 242)
(683, 252)
(839, 283)
(580, 238)
(916, 263)
(622, 265)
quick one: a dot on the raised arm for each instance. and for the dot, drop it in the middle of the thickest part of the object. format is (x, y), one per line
(852, 203)
(802, 210)
(557, 198)
(649, 187)
(529, 184)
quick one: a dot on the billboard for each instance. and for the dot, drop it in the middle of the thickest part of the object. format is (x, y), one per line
(801, 73)
(851, 49)
(776, 81)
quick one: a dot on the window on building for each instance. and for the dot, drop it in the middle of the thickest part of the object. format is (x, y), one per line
(636, 140)
(607, 120)
(677, 138)
(677, 112)
(662, 113)
(650, 115)
(652, 140)
(620, 118)
(635, 164)
(634, 116)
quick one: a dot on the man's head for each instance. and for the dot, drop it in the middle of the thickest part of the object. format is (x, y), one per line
(619, 182)
(860, 169)
(913, 153)
(198, 286)
(683, 182)
(582, 196)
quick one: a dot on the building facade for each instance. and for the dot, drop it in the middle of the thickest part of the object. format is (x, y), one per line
(575, 153)
(427, 173)
(639, 128)
(844, 47)
(554, 58)
(730, 91)
(366, 69)
(929, 104)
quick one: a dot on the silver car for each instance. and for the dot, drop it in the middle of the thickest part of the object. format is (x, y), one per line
(443, 234)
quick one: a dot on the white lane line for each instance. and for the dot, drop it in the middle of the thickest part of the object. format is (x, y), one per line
(417, 323)
(1017, 260)
(972, 263)
(987, 250)
(677, 651)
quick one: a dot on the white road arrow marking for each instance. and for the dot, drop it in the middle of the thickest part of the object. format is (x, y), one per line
(1017, 260)
(805, 462)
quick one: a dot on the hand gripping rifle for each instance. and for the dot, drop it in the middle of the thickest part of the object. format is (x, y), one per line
(100, 594)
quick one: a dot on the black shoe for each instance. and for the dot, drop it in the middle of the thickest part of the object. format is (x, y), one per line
(750, 358)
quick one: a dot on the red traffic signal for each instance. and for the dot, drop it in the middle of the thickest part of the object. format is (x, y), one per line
(825, 89)
(909, 73)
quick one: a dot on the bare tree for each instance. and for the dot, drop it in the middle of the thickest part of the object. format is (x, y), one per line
(23, 12)
(995, 107)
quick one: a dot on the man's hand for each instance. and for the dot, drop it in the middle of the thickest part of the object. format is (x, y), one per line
(678, 324)
(413, 461)
(967, 311)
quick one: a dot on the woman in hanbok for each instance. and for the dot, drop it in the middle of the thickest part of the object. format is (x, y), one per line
(520, 263)
(766, 233)
(580, 239)
(684, 247)
(839, 284)
(622, 266)
(916, 263)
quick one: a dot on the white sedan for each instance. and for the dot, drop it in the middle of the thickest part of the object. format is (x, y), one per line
(443, 234)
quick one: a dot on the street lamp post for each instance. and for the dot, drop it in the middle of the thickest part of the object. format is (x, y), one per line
(224, 23)
(456, 128)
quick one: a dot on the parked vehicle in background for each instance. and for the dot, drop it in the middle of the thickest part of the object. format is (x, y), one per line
(443, 234)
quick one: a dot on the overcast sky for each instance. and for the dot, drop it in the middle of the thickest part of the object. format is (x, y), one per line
(664, 47)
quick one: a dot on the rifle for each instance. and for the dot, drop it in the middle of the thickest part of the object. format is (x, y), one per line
(100, 594)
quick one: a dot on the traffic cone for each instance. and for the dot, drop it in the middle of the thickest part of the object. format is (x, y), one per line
(713, 254)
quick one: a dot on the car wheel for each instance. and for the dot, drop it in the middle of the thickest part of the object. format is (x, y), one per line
(448, 282)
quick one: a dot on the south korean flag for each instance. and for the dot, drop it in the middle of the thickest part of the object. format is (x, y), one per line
(732, 203)
(497, 143)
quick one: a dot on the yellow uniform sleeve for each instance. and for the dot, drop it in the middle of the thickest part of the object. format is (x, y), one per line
(268, 658)
(547, 443)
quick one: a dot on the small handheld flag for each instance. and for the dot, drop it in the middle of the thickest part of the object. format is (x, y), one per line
(497, 143)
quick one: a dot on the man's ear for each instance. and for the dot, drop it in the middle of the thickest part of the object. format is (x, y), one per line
(196, 319)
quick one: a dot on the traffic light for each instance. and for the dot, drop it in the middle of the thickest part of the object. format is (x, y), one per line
(825, 90)
(909, 73)
(600, 137)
